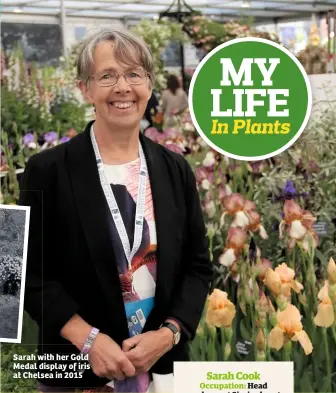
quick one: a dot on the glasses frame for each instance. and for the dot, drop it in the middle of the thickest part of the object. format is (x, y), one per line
(147, 76)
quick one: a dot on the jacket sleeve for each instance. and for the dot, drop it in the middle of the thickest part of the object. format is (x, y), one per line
(46, 301)
(197, 273)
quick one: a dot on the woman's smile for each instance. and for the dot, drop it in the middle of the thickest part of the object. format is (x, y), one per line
(122, 105)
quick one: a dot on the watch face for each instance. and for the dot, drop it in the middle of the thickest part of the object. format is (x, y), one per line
(177, 337)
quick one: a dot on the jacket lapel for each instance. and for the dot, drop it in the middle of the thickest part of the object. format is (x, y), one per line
(93, 214)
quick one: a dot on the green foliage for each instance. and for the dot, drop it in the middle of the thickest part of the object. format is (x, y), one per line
(157, 35)
(8, 383)
(42, 99)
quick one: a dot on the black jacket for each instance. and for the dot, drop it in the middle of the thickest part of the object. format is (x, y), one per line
(71, 266)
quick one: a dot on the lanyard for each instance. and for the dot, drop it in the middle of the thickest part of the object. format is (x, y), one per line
(112, 203)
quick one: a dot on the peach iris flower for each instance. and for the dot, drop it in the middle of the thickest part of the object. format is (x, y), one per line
(281, 281)
(289, 327)
(221, 311)
(325, 312)
(332, 271)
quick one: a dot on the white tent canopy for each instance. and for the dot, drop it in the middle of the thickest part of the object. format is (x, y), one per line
(262, 11)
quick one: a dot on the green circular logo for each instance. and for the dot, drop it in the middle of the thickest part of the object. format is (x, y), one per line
(250, 99)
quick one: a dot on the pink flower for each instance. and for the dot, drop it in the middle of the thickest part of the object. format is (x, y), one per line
(234, 245)
(153, 134)
(175, 148)
(299, 225)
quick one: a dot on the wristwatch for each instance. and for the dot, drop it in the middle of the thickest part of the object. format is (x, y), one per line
(174, 329)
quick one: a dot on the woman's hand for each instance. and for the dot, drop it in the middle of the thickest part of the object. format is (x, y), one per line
(108, 360)
(144, 350)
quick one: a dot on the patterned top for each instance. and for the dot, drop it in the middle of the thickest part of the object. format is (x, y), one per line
(138, 304)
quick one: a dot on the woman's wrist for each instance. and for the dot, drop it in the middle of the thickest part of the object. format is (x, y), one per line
(89, 341)
(76, 330)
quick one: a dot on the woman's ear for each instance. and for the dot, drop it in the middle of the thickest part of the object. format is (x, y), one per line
(84, 88)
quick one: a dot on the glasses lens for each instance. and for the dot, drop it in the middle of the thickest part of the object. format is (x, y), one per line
(106, 78)
(135, 77)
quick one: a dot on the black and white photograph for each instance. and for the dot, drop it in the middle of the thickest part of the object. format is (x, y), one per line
(14, 226)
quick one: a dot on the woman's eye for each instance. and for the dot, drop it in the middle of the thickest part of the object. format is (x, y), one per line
(106, 76)
(133, 75)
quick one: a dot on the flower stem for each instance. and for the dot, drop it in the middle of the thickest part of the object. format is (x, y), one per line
(211, 247)
(327, 357)
(293, 258)
(333, 331)
(223, 342)
(287, 351)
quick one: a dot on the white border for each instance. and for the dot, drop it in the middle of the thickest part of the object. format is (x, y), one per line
(23, 272)
(236, 41)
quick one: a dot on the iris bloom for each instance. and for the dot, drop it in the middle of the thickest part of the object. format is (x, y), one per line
(289, 191)
(260, 341)
(209, 159)
(50, 137)
(310, 239)
(289, 327)
(28, 138)
(176, 148)
(325, 313)
(239, 208)
(221, 311)
(281, 281)
(153, 134)
(255, 224)
(262, 268)
(234, 245)
(300, 226)
(64, 139)
(332, 271)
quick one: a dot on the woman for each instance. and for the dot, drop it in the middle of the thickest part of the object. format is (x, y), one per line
(117, 244)
(174, 98)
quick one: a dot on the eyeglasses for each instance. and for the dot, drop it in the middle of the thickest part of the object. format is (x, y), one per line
(110, 78)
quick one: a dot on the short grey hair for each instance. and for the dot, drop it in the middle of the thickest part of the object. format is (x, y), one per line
(128, 49)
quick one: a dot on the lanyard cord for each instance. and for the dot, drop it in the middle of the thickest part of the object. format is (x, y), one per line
(113, 206)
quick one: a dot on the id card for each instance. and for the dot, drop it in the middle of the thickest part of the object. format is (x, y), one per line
(137, 314)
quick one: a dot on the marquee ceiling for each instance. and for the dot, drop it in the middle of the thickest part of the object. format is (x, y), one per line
(261, 11)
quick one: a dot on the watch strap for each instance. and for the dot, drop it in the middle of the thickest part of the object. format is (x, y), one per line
(174, 330)
(170, 326)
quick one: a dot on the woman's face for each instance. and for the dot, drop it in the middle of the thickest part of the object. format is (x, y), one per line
(121, 105)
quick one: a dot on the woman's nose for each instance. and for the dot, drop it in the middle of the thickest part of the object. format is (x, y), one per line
(122, 85)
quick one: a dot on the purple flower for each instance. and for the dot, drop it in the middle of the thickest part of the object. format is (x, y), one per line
(64, 139)
(50, 137)
(28, 138)
(289, 191)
